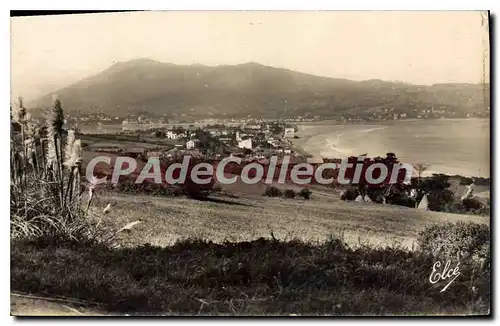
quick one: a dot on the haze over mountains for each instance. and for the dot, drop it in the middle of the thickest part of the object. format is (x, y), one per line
(251, 89)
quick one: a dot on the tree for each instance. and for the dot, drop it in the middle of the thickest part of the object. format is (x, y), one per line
(420, 168)
(159, 134)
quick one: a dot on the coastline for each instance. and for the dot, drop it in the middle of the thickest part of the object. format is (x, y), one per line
(339, 141)
(299, 146)
(374, 122)
(458, 189)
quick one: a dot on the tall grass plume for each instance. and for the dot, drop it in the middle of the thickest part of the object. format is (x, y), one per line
(46, 192)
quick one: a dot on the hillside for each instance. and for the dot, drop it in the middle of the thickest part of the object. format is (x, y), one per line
(144, 85)
(165, 220)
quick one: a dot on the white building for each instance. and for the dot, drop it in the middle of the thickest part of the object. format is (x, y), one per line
(252, 126)
(289, 132)
(171, 134)
(124, 125)
(191, 143)
(245, 143)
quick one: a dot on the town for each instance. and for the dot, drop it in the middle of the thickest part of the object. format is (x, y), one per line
(372, 115)
(250, 140)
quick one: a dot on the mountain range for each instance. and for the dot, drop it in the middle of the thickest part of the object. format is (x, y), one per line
(251, 89)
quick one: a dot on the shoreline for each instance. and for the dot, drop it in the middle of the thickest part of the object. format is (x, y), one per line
(305, 135)
(298, 147)
(375, 122)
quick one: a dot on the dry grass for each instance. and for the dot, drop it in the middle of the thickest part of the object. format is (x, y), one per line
(166, 220)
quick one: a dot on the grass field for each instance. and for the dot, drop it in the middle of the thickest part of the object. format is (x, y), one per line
(165, 220)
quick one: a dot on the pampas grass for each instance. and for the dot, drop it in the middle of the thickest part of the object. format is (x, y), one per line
(46, 196)
(48, 201)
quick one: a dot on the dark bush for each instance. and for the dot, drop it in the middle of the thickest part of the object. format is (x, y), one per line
(349, 194)
(465, 181)
(452, 239)
(289, 193)
(434, 183)
(456, 207)
(438, 194)
(152, 189)
(440, 199)
(472, 204)
(195, 191)
(400, 199)
(305, 193)
(272, 192)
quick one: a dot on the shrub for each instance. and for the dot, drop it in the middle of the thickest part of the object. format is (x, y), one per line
(289, 193)
(436, 182)
(195, 191)
(452, 239)
(456, 207)
(472, 204)
(272, 192)
(465, 181)
(400, 199)
(349, 194)
(438, 194)
(305, 193)
(440, 199)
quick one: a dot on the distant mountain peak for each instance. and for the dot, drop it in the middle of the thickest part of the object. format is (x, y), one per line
(252, 64)
(139, 62)
(144, 84)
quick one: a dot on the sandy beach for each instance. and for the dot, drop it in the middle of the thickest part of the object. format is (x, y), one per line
(453, 146)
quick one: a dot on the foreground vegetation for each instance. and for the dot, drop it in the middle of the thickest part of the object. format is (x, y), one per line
(265, 276)
(49, 198)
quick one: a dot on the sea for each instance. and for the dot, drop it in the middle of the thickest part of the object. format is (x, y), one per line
(450, 146)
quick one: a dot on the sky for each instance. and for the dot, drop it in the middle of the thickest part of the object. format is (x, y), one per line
(50, 52)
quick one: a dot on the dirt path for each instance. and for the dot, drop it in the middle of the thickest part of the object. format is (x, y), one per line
(26, 305)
